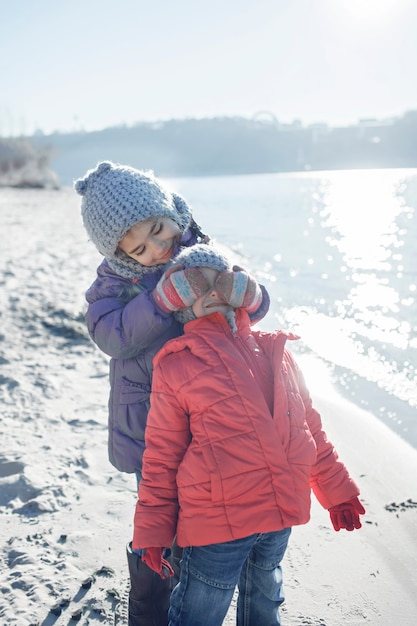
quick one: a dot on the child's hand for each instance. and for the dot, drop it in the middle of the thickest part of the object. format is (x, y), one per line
(179, 288)
(346, 515)
(154, 559)
(239, 289)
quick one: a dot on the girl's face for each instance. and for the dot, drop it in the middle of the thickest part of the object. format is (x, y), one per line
(210, 302)
(151, 242)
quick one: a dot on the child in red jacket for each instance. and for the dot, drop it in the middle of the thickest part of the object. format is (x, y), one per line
(233, 449)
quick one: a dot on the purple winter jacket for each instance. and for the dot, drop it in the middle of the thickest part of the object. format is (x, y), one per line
(125, 323)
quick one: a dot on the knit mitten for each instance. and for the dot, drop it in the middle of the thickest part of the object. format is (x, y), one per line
(346, 515)
(179, 288)
(153, 557)
(239, 289)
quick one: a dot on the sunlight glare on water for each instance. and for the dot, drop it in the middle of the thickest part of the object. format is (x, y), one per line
(365, 217)
(361, 209)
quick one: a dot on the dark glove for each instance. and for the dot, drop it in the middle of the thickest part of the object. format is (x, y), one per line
(179, 288)
(346, 515)
(239, 289)
(154, 559)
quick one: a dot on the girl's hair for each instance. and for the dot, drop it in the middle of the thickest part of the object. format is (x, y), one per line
(196, 229)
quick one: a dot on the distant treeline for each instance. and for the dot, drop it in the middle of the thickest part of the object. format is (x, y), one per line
(236, 146)
(23, 165)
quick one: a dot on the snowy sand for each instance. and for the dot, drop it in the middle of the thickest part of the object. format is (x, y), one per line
(66, 513)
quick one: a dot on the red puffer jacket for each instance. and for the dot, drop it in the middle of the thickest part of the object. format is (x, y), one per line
(217, 465)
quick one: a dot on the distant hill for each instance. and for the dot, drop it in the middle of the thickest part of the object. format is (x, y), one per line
(203, 147)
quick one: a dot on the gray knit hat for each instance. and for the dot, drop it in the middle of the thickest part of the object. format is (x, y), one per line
(203, 255)
(114, 197)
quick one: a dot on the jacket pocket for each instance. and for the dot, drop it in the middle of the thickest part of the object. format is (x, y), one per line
(296, 410)
(302, 447)
(133, 393)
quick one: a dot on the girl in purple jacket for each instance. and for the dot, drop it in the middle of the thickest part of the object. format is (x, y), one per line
(138, 226)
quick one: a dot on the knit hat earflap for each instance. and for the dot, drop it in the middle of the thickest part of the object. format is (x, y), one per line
(114, 198)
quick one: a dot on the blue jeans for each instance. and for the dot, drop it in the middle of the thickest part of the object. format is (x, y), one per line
(209, 575)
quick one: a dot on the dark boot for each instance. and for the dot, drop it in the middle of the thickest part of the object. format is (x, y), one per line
(149, 595)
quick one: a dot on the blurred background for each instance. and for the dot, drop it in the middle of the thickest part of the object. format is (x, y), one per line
(289, 126)
(200, 88)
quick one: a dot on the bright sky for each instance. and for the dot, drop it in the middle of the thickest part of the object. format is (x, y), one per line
(88, 64)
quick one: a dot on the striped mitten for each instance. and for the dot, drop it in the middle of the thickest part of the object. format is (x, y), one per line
(179, 288)
(239, 289)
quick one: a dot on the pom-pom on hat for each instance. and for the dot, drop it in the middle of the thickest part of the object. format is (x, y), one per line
(115, 197)
(202, 255)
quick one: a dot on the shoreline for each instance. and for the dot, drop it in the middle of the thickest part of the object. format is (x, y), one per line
(67, 514)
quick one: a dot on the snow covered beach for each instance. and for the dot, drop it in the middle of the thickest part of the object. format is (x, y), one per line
(66, 514)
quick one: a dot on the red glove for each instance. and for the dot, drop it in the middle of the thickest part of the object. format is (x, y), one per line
(346, 515)
(239, 289)
(154, 559)
(179, 288)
